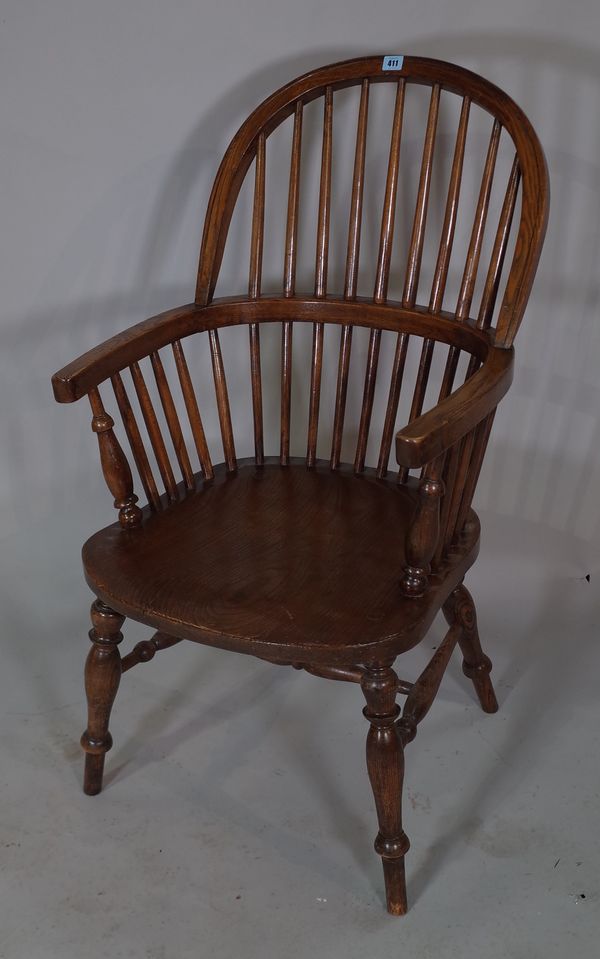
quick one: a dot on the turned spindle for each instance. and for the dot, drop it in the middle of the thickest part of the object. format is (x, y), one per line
(423, 533)
(102, 678)
(385, 765)
(114, 465)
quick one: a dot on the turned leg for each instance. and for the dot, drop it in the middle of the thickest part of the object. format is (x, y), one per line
(460, 608)
(102, 677)
(385, 764)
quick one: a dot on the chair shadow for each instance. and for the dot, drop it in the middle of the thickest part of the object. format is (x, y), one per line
(149, 743)
(531, 718)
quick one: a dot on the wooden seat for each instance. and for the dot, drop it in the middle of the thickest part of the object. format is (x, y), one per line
(335, 561)
(233, 564)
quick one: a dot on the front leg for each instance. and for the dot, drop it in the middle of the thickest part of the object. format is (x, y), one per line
(385, 764)
(102, 678)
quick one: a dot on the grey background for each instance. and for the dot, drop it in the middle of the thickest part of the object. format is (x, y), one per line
(113, 119)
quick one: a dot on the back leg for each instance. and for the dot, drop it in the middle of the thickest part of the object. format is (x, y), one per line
(460, 608)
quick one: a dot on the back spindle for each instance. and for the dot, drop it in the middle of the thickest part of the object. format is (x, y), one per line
(289, 283)
(322, 258)
(449, 478)
(386, 239)
(479, 447)
(286, 392)
(154, 432)
(135, 441)
(492, 282)
(496, 264)
(191, 406)
(467, 287)
(415, 251)
(258, 220)
(465, 296)
(356, 203)
(392, 404)
(291, 233)
(455, 493)
(368, 397)
(166, 398)
(440, 275)
(351, 279)
(222, 401)
(386, 236)
(256, 253)
(341, 392)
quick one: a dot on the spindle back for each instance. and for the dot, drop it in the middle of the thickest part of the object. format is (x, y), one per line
(527, 177)
(160, 392)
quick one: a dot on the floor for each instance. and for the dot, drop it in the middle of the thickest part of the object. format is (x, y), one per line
(237, 819)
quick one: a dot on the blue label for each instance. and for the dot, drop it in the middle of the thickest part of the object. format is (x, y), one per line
(392, 63)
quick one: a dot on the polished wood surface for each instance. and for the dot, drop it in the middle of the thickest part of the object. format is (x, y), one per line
(282, 563)
(329, 566)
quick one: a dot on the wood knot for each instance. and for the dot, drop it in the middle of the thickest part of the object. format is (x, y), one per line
(464, 613)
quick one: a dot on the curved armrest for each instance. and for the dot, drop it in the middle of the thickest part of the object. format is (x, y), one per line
(434, 432)
(95, 366)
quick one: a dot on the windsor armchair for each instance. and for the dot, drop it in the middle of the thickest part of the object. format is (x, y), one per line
(327, 566)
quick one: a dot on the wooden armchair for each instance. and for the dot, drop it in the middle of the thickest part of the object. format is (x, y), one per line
(309, 562)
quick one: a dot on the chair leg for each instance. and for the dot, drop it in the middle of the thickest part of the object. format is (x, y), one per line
(102, 677)
(460, 608)
(385, 764)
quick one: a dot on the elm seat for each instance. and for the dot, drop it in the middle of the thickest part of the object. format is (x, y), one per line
(285, 559)
(330, 566)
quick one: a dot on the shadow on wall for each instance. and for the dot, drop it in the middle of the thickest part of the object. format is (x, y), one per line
(544, 464)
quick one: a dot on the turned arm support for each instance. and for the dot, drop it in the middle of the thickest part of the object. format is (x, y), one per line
(425, 442)
(115, 465)
(430, 435)
(423, 533)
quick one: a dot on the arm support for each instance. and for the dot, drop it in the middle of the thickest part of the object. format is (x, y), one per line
(434, 432)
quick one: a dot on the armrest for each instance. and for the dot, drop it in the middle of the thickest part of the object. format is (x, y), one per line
(434, 432)
(95, 366)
